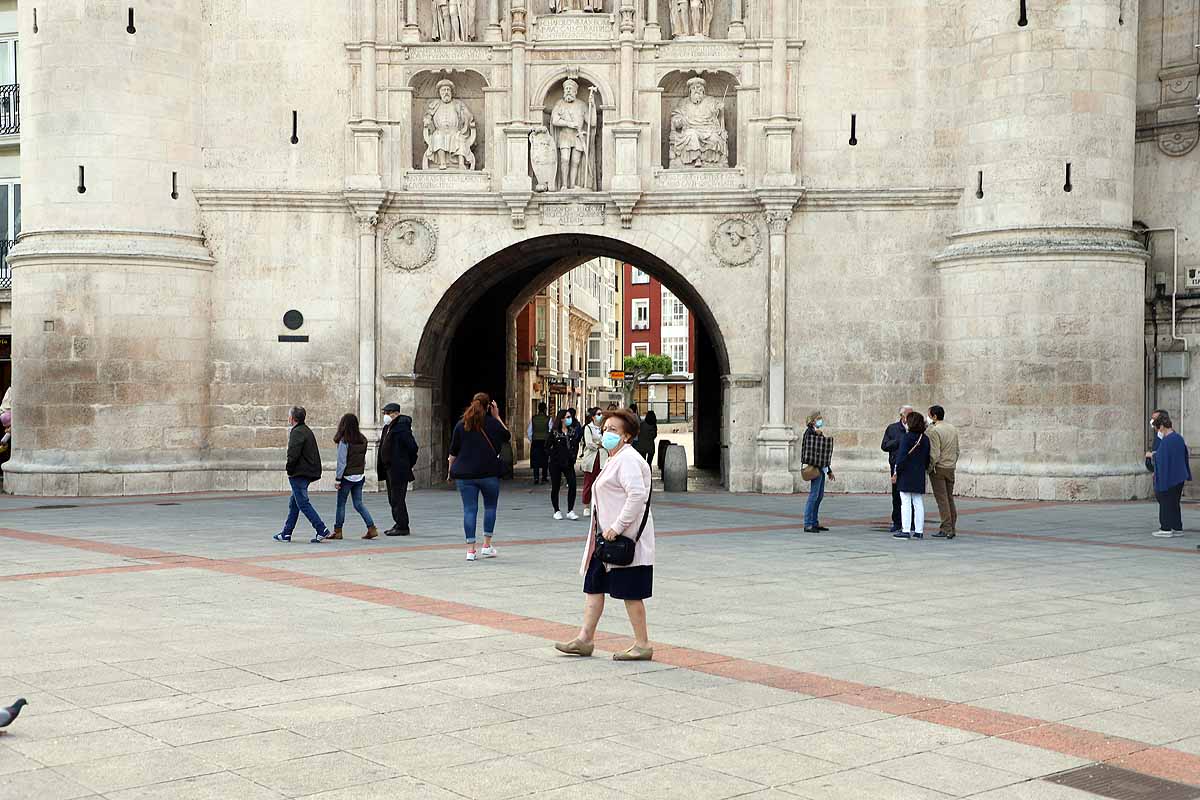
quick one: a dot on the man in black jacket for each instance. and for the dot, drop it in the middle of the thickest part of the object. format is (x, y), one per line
(303, 467)
(394, 461)
(891, 445)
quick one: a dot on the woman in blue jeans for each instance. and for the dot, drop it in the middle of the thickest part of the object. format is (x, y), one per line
(816, 451)
(475, 467)
(351, 473)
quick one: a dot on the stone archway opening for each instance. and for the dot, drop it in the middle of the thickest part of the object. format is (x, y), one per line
(469, 342)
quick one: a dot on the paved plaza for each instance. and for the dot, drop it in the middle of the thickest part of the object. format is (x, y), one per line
(170, 650)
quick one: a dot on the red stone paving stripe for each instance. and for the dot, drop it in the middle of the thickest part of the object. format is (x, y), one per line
(1134, 755)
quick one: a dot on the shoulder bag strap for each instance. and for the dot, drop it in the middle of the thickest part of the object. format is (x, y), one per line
(645, 514)
(918, 444)
(488, 439)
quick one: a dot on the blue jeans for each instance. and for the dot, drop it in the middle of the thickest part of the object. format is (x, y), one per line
(816, 492)
(470, 490)
(299, 503)
(352, 489)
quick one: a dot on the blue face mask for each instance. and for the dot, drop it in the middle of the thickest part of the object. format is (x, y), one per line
(819, 423)
(610, 441)
(567, 421)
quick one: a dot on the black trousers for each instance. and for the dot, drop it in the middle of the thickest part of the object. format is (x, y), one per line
(1170, 516)
(537, 460)
(895, 506)
(397, 489)
(556, 476)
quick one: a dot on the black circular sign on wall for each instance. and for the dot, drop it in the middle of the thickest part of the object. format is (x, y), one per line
(293, 319)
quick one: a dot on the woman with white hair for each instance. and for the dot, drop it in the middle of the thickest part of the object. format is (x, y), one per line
(816, 456)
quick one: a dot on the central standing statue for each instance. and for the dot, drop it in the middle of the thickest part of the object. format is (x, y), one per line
(562, 6)
(574, 124)
(449, 130)
(698, 135)
(453, 20)
(691, 17)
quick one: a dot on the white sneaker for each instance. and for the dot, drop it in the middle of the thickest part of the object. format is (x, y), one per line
(471, 556)
(1168, 534)
(558, 515)
(571, 515)
(488, 552)
(587, 511)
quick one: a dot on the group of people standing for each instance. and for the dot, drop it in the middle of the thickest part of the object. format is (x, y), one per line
(918, 447)
(563, 447)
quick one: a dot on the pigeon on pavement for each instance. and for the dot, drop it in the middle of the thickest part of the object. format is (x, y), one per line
(7, 715)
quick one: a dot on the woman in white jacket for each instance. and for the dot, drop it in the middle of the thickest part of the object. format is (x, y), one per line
(620, 503)
(592, 456)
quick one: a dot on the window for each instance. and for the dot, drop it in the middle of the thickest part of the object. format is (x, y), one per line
(641, 315)
(541, 324)
(642, 349)
(677, 348)
(553, 354)
(674, 312)
(10, 208)
(639, 276)
(595, 357)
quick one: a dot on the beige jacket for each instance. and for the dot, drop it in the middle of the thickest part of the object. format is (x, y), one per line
(943, 446)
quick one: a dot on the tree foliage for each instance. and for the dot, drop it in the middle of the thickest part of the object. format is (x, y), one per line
(639, 368)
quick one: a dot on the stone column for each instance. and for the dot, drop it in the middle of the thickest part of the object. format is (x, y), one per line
(367, 323)
(516, 188)
(737, 23)
(369, 58)
(412, 33)
(626, 181)
(494, 32)
(652, 31)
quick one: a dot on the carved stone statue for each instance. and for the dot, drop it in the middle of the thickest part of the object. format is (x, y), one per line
(544, 156)
(691, 17)
(562, 6)
(449, 131)
(453, 20)
(698, 135)
(574, 124)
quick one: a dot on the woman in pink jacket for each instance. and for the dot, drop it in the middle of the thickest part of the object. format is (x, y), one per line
(620, 507)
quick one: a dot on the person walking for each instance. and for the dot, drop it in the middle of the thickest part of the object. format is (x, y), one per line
(539, 428)
(560, 451)
(394, 462)
(943, 460)
(593, 457)
(303, 468)
(621, 507)
(891, 445)
(351, 474)
(475, 467)
(912, 462)
(1171, 471)
(646, 437)
(816, 456)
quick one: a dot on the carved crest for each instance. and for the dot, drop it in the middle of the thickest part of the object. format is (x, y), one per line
(736, 241)
(409, 244)
(544, 157)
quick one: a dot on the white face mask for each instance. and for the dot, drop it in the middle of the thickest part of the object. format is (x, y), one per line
(1160, 434)
(929, 421)
(1151, 424)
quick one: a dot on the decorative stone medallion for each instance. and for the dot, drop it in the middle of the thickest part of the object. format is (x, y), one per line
(736, 241)
(409, 244)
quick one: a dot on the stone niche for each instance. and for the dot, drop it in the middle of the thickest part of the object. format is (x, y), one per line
(425, 20)
(468, 87)
(593, 158)
(720, 21)
(720, 85)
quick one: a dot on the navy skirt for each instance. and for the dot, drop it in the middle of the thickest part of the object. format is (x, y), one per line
(620, 583)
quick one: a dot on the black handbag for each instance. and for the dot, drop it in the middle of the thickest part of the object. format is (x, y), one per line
(619, 552)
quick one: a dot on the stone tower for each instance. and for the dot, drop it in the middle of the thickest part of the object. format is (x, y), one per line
(111, 356)
(1042, 285)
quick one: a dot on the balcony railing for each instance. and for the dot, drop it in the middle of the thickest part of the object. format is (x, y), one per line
(668, 410)
(10, 109)
(5, 269)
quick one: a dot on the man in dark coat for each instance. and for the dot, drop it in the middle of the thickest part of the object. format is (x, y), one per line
(303, 467)
(1170, 462)
(891, 445)
(394, 461)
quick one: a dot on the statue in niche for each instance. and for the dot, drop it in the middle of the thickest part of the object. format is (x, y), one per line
(449, 131)
(453, 20)
(544, 156)
(691, 17)
(698, 135)
(563, 6)
(574, 125)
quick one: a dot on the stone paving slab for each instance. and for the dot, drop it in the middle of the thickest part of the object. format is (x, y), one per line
(228, 665)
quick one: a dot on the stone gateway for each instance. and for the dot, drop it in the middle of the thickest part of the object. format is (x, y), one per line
(937, 259)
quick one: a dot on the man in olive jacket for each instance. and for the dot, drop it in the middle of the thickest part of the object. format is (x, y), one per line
(394, 461)
(943, 460)
(303, 467)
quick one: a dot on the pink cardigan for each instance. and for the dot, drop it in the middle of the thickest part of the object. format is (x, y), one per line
(619, 498)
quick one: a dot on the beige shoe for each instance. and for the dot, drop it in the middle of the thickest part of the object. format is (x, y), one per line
(575, 648)
(372, 532)
(635, 653)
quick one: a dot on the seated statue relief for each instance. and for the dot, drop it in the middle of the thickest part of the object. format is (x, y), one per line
(562, 6)
(449, 131)
(698, 135)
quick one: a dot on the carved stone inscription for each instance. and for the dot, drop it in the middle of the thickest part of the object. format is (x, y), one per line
(572, 214)
(575, 27)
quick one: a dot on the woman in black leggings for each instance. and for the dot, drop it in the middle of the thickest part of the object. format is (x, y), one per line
(560, 452)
